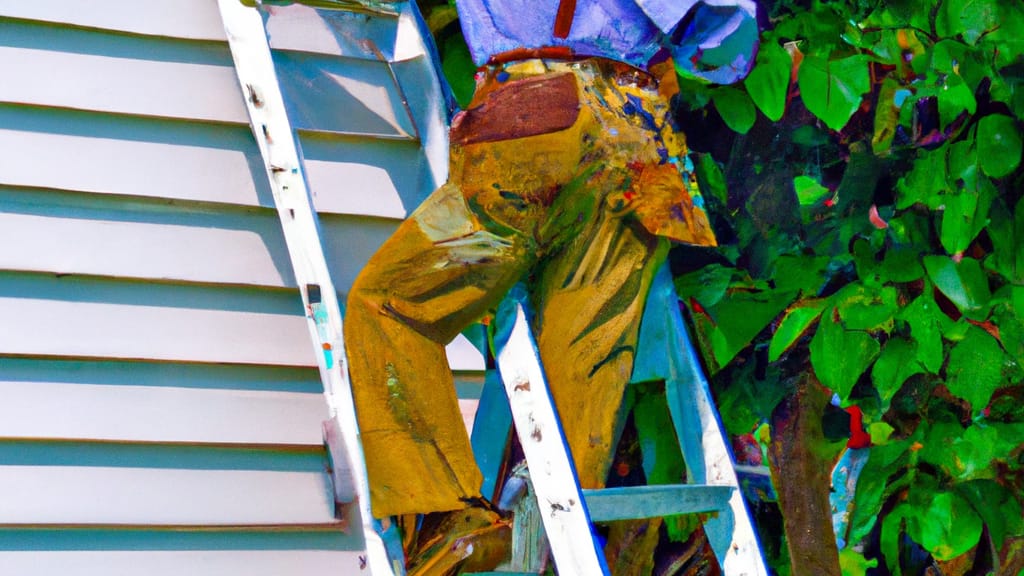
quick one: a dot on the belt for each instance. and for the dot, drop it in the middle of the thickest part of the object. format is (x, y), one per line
(561, 58)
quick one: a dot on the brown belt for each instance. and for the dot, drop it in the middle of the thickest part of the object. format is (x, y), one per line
(545, 53)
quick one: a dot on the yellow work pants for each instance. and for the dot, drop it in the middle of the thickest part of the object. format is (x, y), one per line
(563, 175)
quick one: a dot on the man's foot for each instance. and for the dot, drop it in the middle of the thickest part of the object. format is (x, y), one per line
(475, 539)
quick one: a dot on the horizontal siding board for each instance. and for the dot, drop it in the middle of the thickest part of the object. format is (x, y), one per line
(152, 496)
(97, 318)
(66, 538)
(336, 32)
(357, 176)
(467, 407)
(116, 330)
(196, 19)
(104, 235)
(203, 376)
(294, 27)
(100, 318)
(346, 95)
(175, 160)
(116, 73)
(176, 563)
(227, 249)
(162, 374)
(159, 414)
(121, 85)
(131, 156)
(47, 36)
(429, 108)
(349, 242)
(99, 454)
(26, 452)
(349, 175)
(121, 74)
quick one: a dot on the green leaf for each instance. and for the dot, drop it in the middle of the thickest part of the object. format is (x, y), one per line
(897, 362)
(948, 528)
(999, 145)
(975, 368)
(832, 89)
(892, 527)
(886, 117)
(710, 178)
(839, 356)
(703, 328)
(662, 459)
(966, 213)
(796, 321)
(968, 18)
(1008, 37)
(745, 402)
(997, 507)
(964, 284)
(873, 486)
(707, 286)
(973, 453)
(1010, 320)
(803, 273)
(866, 308)
(937, 443)
(880, 432)
(768, 82)
(740, 318)
(921, 316)
(1007, 233)
(901, 264)
(955, 98)
(735, 108)
(459, 69)
(853, 563)
(925, 181)
(808, 191)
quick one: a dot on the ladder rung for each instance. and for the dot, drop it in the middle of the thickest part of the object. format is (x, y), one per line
(634, 502)
(500, 574)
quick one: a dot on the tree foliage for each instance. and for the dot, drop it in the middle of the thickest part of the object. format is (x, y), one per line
(876, 204)
(865, 183)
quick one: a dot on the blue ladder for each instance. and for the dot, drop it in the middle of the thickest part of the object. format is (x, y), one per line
(520, 395)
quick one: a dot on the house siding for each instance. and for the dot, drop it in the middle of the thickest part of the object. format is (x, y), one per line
(162, 409)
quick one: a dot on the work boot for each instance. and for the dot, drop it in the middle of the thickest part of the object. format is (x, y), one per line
(475, 539)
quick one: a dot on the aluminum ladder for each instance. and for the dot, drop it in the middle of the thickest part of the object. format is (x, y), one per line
(275, 138)
(664, 353)
(568, 510)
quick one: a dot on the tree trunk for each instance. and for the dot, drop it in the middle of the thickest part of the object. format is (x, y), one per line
(801, 465)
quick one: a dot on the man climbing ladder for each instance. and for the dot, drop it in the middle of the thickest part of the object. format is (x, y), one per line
(565, 174)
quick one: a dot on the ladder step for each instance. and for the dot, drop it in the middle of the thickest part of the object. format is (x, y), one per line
(500, 574)
(634, 502)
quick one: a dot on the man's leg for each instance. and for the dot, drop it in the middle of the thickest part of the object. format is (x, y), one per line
(590, 299)
(438, 273)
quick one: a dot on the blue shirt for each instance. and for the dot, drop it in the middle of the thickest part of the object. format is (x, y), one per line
(716, 43)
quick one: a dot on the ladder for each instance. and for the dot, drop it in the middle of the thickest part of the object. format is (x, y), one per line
(275, 138)
(566, 511)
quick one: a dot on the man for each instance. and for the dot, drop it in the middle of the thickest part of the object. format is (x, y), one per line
(565, 174)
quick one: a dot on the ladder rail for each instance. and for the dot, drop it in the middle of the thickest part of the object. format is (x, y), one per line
(285, 173)
(562, 506)
(666, 353)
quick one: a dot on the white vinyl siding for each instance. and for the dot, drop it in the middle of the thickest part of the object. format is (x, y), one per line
(162, 410)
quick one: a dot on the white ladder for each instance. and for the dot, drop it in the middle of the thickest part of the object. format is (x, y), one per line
(664, 353)
(567, 510)
(268, 118)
